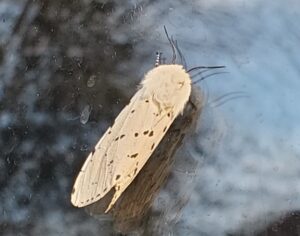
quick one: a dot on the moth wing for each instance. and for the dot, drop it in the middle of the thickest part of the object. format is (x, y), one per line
(121, 152)
(95, 177)
(144, 132)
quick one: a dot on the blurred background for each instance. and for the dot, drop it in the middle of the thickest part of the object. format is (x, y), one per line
(68, 67)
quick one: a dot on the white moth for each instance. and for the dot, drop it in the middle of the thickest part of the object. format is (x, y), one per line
(127, 145)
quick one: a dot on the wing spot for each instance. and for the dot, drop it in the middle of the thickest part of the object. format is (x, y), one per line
(92, 199)
(118, 177)
(111, 162)
(73, 190)
(137, 163)
(104, 190)
(146, 132)
(169, 114)
(134, 155)
(88, 200)
(98, 195)
(151, 133)
(152, 146)
(132, 111)
(165, 129)
(147, 101)
(117, 138)
(135, 170)
(136, 134)
(109, 132)
(122, 136)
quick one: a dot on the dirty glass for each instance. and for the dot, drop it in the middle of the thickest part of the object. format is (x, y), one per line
(67, 68)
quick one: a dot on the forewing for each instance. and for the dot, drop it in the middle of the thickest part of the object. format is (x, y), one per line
(95, 178)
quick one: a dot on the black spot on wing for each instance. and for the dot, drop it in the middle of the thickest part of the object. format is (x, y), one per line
(134, 155)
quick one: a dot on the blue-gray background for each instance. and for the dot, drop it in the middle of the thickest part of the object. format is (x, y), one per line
(68, 68)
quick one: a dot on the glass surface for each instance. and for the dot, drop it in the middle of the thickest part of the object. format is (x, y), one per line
(67, 68)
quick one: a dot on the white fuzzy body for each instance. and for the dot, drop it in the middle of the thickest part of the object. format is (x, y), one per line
(127, 145)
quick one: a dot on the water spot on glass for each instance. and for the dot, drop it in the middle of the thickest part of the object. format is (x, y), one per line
(85, 114)
(91, 81)
(84, 147)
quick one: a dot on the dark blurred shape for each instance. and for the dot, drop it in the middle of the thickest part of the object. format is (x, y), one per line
(133, 210)
(47, 59)
(286, 225)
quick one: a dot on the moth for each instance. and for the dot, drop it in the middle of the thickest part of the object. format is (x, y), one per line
(126, 146)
